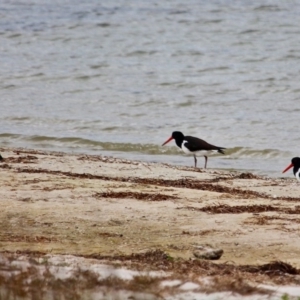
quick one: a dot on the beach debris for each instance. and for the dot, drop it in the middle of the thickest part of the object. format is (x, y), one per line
(247, 176)
(207, 252)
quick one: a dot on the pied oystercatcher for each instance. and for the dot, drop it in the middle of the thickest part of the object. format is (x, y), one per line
(296, 164)
(192, 145)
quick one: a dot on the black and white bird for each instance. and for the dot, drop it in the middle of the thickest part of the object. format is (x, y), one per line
(296, 164)
(192, 145)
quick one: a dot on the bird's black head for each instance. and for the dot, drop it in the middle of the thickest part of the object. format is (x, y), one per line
(296, 161)
(177, 135)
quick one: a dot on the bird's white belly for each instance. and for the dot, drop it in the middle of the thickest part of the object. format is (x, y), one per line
(297, 175)
(184, 149)
(197, 153)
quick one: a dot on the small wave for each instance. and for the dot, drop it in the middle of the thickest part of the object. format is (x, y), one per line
(83, 77)
(241, 152)
(104, 24)
(266, 8)
(10, 135)
(14, 35)
(9, 86)
(37, 74)
(212, 69)
(17, 119)
(141, 52)
(212, 21)
(74, 143)
(186, 103)
(249, 31)
(87, 144)
(165, 83)
(99, 66)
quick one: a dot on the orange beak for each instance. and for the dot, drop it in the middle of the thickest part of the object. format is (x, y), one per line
(287, 168)
(167, 141)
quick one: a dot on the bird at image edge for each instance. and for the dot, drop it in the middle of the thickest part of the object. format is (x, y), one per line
(193, 145)
(296, 164)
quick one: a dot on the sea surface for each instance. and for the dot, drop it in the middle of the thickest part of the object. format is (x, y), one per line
(116, 77)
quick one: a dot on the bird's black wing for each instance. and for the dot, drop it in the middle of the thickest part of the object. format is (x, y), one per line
(196, 144)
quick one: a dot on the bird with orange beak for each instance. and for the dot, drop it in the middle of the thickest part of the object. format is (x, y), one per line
(296, 164)
(193, 145)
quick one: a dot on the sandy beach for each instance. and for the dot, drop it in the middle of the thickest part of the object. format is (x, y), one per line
(150, 216)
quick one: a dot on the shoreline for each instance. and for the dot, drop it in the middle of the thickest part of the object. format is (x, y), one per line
(55, 203)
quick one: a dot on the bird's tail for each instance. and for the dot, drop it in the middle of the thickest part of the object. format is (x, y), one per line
(220, 150)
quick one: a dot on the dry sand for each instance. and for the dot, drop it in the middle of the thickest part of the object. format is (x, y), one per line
(108, 208)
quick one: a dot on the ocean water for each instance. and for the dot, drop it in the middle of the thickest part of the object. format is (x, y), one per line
(117, 77)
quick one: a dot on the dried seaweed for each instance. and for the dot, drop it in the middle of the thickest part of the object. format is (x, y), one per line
(224, 276)
(110, 234)
(200, 232)
(177, 183)
(265, 220)
(135, 195)
(238, 209)
(274, 268)
(239, 176)
(21, 159)
(227, 209)
(27, 238)
(246, 176)
(161, 260)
